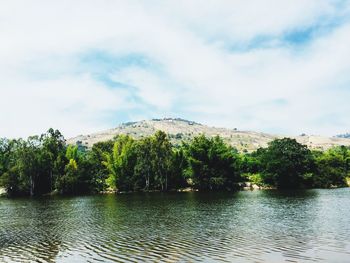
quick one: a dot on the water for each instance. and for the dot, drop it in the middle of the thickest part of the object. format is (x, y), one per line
(258, 226)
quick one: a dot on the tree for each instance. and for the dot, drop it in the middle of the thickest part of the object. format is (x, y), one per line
(79, 173)
(53, 148)
(179, 165)
(31, 164)
(250, 163)
(161, 159)
(120, 164)
(44, 163)
(212, 163)
(95, 164)
(332, 167)
(143, 167)
(4, 155)
(286, 163)
(69, 183)
(12, 178)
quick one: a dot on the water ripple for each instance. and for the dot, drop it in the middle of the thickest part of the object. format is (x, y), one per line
(259, 226)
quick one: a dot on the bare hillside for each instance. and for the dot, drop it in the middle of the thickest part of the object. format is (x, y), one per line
(179, 130)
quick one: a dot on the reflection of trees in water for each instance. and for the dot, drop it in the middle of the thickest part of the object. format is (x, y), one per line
(250, 225)
(219, 226)
(254, 226)
(33, 229)
(146, 226)
(288, 222)
(152, 225)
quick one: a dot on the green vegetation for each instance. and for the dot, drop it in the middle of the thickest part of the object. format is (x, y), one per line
(286, 164)
(212, 164)
(45, 164)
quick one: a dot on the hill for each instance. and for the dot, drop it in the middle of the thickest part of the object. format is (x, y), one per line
(183, 130)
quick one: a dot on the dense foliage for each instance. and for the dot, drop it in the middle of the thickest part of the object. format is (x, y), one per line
(286, 164)
(212, 164)
(45, 164)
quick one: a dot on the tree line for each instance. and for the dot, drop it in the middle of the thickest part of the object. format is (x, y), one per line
(45, 164)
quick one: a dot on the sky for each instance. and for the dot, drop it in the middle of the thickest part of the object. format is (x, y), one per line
(281, 67)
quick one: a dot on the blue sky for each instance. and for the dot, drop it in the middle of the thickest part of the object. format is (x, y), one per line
(82, 66)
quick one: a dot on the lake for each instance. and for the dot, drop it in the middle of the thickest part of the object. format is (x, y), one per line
(247, 226)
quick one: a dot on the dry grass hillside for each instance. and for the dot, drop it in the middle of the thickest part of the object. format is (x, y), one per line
(183, 130)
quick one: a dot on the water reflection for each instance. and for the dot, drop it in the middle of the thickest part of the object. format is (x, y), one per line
(258, 226)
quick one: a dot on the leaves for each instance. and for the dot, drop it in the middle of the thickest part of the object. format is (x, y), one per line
(42, 164)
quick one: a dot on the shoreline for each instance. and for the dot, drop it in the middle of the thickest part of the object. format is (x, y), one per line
(249, 187)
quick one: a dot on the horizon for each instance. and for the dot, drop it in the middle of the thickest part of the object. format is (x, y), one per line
(84, 67)
(184, 120)
(200, 123)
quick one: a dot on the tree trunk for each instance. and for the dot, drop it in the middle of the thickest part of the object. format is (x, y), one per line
(51, 180)
(31, 186)
(166, 181)
(147, 181)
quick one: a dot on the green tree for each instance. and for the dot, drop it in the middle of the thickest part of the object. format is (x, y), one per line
(179, 165)
(144, 164)
(32, 164)
(286, 163)
(332, 167)
(11, 178)
(53, 148)
(95, 164)
(79, 176)
(120, 164)
(69, 182)
(161, 159)
(212, 163)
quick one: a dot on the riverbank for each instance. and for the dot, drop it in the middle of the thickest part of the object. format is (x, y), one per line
(247, 186)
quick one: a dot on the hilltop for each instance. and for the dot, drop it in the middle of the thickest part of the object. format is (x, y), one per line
(183, 130)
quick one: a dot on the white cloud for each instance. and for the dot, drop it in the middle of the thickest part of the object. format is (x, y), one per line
(242, 20)
(195, 67)
(71, 104)
(149, 87)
